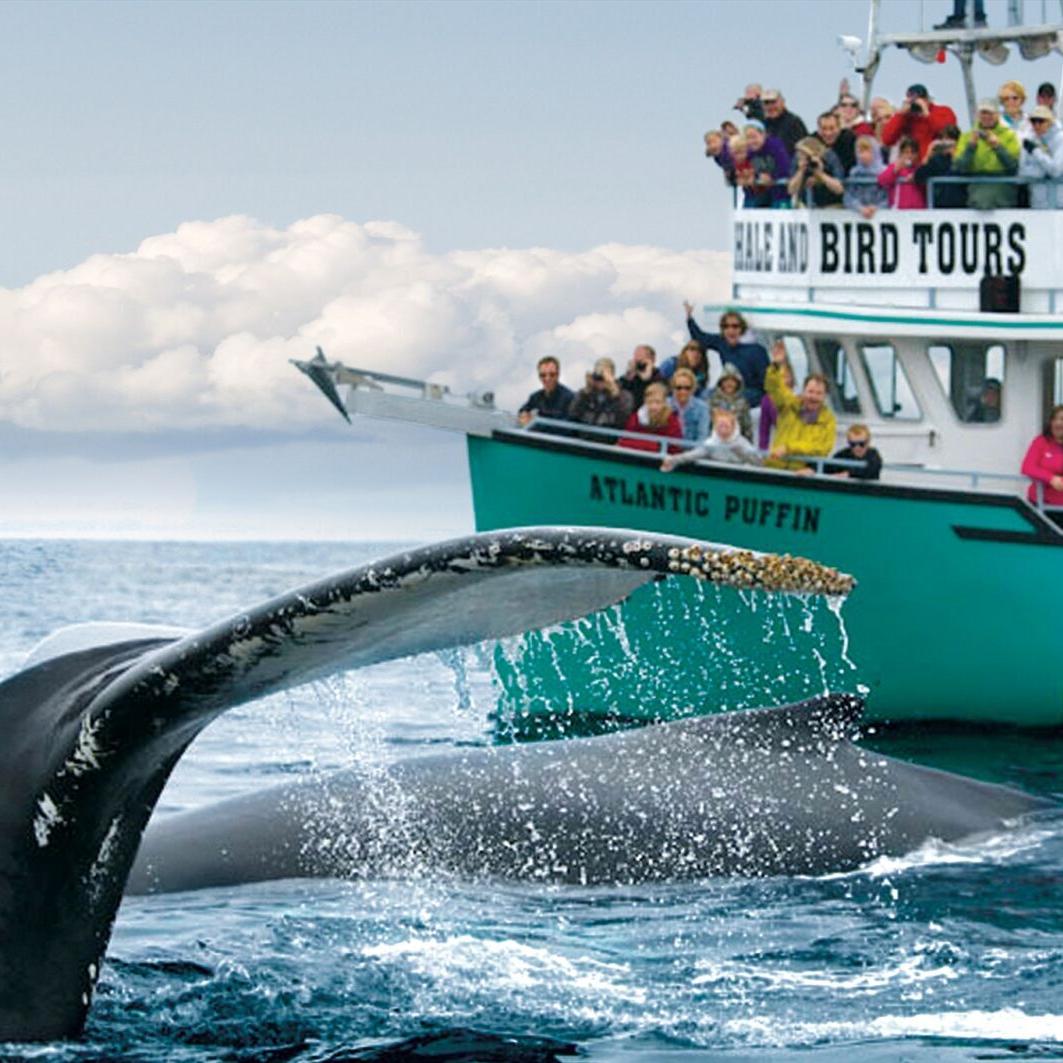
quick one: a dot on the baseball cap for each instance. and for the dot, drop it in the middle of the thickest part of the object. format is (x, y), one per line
(918, 89)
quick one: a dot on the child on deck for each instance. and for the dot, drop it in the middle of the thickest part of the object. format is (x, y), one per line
(728, 395)
(725, 444)
(899, 179)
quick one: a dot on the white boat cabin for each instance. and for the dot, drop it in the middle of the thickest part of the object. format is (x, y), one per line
(916, 317)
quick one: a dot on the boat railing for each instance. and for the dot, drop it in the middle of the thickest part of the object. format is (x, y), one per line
(932, 185)
(607, 439)
(382, 395)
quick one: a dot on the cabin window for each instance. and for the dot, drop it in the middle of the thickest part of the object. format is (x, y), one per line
(889, 383)
(972, 376)
(798, 355)
(835, 362)
(1053, 389)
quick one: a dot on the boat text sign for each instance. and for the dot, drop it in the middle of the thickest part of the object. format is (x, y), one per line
(894, 249)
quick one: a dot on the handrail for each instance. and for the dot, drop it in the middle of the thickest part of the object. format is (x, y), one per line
(611, 436)
(931, 184)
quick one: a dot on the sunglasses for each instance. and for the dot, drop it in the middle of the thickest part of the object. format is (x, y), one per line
(682, 387)
(1004, 99)
(543, 376)
(1038, 121)
(859, 442)
(848, 103)
(732, 324)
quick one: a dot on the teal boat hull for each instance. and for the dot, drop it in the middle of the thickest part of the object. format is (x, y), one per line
(956, 611)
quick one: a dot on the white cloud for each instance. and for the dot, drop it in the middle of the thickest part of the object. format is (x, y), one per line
(195, 328)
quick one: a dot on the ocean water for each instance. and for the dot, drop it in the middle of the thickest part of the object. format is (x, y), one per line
(953, 952)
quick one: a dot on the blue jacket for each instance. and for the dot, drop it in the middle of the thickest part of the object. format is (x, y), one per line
(554, 405)
(695, 419)
(750, 359)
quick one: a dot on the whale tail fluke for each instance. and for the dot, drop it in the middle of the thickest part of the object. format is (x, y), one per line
(92, 732)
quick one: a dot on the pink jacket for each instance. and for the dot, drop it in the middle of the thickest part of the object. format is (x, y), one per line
(905, 194)
(1044, 460)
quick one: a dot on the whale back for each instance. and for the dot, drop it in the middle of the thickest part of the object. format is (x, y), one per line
(760, 792)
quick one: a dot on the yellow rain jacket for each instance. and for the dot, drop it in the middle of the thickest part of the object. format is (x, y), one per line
(791, 430)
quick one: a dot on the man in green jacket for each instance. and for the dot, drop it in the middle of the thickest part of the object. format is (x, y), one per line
(991, 149)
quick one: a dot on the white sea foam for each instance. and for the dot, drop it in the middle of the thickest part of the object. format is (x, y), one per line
(1004, 1024)
(512, 966)
(909, 970)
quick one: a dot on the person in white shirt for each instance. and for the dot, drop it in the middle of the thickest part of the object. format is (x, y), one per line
(725, 444)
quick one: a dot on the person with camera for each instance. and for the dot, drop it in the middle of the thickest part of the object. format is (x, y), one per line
(1042, 159)
(750, 103)
(601, 401)
(641, 372)
(919, 118)
(817, 175)
(781, 123)
(946, 194)
(991, 149)
(905, 193)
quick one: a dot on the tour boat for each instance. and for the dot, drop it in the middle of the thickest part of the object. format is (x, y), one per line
(908, 315)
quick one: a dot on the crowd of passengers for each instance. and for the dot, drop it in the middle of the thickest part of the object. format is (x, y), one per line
(751, 413)
(887, 157)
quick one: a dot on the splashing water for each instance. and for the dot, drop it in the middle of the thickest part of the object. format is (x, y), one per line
(673, 649)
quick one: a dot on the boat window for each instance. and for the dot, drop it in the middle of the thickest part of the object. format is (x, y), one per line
(889, 383)
(835, 362)
(972, 376)
(1053, 389)
(798, 355)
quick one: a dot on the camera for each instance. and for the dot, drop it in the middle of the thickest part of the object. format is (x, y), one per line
(1029, 144)
(599, 377)
(641, 366)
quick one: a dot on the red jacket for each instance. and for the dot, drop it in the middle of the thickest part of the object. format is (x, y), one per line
(924, 129)
(1044, 460)
(673, 429)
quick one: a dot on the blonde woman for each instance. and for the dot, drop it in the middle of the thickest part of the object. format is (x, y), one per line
(693, 412)
(1012, 97)
(653, 418)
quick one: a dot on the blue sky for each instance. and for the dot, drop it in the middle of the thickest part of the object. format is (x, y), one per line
(472, 126)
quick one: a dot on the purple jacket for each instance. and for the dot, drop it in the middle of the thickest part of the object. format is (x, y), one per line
(774, 160)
